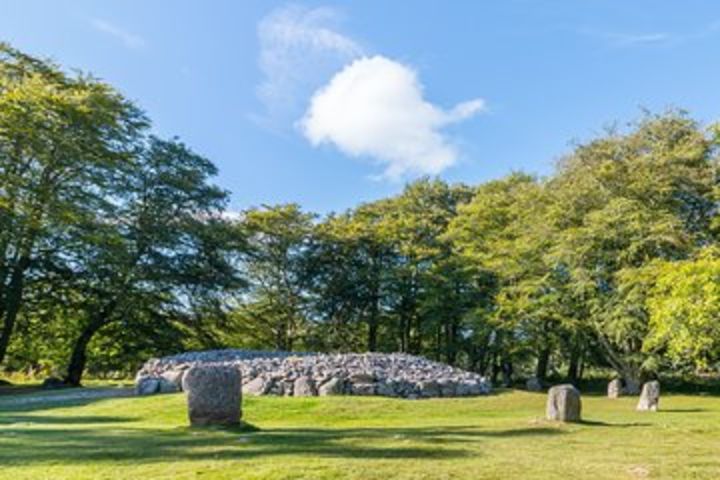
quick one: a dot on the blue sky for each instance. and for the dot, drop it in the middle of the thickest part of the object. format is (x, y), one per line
(330, 104)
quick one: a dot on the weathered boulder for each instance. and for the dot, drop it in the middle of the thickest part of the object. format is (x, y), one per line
(334, 386)
(429, 388)
(166, 386)
(304, 387)
(615, 388)
(362, 389)
(147, 385)
(563, 403)
(213, 395)
(650, 397)
(256, 386)
(533, 384)
(172, 380)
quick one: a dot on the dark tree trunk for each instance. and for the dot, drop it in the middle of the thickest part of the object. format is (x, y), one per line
(507, 373)
(13, 301)
(573, 373)
(542, 364)
(373, 327)
(78, 359)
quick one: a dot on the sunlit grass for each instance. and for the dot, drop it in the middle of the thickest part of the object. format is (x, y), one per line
(501, 436)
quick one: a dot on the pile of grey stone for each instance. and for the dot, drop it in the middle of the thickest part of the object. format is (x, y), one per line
(310, 374)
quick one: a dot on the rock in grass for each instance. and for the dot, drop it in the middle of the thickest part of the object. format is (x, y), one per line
(563, 403)
(615, 388)
(533, 384)
(650, 397)
(213, 395)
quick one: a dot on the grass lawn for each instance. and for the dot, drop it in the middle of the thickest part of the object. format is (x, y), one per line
(500, 436)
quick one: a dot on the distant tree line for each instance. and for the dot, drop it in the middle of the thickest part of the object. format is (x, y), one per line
(115, 246)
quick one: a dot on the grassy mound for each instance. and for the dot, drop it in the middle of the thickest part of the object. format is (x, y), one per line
(500, 436)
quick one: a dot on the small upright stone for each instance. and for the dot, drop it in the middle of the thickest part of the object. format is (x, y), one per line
(563, 403)
(650, 397)
(213, 395)
(615, 388)
(533, 384)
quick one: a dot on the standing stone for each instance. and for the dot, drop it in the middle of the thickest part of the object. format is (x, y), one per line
(615, 388)
(533, 384)
(304, 387)
(213, 395)
(563, 403)
(650, 397)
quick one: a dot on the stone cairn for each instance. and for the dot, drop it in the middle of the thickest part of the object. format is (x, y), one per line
(650, 397)
(213, 394)
(310, 374)
(563, 403)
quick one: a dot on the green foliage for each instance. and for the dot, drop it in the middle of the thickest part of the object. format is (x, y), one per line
(684, 307)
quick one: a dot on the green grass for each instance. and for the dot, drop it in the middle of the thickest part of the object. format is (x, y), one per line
(501, 436)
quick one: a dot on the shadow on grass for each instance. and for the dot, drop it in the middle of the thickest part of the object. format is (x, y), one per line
(37, 445)
(599, 423)
(683, 410)
(52, 420)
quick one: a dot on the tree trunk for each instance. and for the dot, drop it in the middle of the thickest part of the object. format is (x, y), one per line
(78, 359)
(574, 367)
(373, 327)
(507, 373)
(542, 364)
(13, 301)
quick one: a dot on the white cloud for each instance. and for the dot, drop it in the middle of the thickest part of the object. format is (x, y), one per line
(128, 39)
(299, 48)
(374, 107)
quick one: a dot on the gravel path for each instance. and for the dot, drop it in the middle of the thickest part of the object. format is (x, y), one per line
(65, 396)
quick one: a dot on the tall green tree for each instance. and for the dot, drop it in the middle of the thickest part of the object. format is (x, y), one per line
(62, 141)
(156, 248)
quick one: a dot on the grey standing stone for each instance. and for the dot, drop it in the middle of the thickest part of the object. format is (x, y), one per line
(563, 403)
(533, 384)
(304, 387)
(615, 388)
(334, 386)
(213, 395)
(650, 397)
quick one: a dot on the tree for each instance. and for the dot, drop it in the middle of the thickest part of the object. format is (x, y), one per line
(149, 254)
(62, 141)
(274, 312)
(619, 203)
(684, 308)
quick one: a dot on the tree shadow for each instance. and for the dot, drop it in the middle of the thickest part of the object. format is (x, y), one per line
(51, 420)
(25, 446)
(682, 410)
(599, 423)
